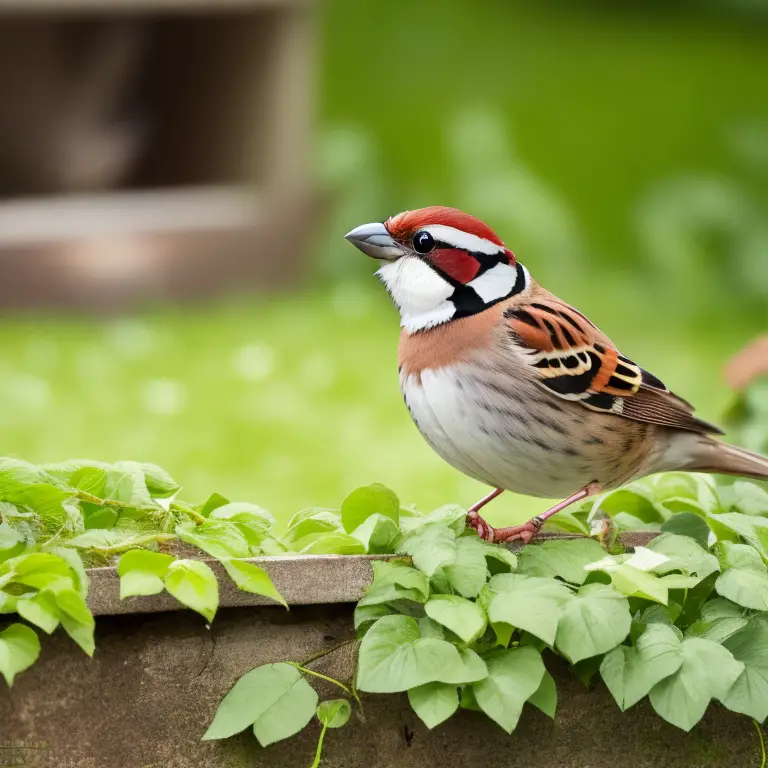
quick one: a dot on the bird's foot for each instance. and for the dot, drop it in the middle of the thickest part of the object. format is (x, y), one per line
(524, 533)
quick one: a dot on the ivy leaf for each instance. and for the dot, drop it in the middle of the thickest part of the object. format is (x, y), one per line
(366, 501)
(253, 522)
(753, 529)
(39, 610)
(393, 580)
(92, 480)
(40, 570)
(194, 584)
(514, 676)
(126, 483)
(377, 533)
(251, 578)
(565, 559)
(431, 547)
(594, 622)
(309, 524)
(545, 698)
(684, 554)
(394, 657)
(142, 572)
(528, 602)
(720, 608)
(708, 671)
(688, 524)
(632, 501)
(158, 482)
(334, 544)
(76, 618)
(19, 649)
(467, 571)
(334, 713)
(636, 583)
(214, 501)
(717, 631)
(749, 694)
(434, 703)
(744, 579)
(471, 669)
(219, 538)
(275, 698)
(463, 617)
(630, 673)
(365, 615)
(451, 516)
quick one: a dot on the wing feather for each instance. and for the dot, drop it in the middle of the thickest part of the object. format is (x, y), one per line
(573, 359)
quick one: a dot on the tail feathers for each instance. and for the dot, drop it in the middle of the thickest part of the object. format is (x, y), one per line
(720, 458)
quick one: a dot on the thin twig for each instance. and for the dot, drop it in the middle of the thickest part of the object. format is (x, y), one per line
(321, 654)
(762, 742)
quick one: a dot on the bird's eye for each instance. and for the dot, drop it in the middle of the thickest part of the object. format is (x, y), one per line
(423, 242)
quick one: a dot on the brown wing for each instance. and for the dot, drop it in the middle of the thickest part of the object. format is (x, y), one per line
(576, 361)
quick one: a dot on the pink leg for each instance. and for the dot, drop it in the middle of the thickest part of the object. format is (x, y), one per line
(484, 531)
(524, 532)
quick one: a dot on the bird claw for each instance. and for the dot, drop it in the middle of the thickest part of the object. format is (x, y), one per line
(524, 533)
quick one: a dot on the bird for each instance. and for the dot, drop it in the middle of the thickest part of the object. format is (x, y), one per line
(517, 389)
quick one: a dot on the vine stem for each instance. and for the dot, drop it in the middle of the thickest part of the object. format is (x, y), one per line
(319, 751)
(315, 657)
(322, 677)
(148, 539)
(762, 742)
(196, 516)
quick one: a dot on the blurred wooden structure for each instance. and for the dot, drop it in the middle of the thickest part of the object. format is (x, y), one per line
(152, 149)
(749, 363)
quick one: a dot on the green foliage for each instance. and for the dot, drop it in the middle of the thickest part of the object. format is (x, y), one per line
(461, 624)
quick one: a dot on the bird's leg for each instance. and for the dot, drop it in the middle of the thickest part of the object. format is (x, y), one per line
(484, 531)
(526, 532)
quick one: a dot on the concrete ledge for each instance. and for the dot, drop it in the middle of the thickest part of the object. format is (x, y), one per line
(301, 580)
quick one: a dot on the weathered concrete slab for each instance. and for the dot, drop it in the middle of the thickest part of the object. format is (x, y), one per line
(150, 691)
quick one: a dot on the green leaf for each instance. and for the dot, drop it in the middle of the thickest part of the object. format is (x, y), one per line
(377, 533)
(38, 569)
(594, 622)
(749, 694)
(366, 501)
(632, 501)
(434, 703)
(739, 556)
(76, 619)
(744, 586)
(308, 525)
(467, 572)
(431, 548)
(126, 484)
(394, 657)
(252, 578)
(92, 480)
(753, 529)
(717, 631)
(142, 572)
(39, 610)
(630, 673)
(545, 698)
(334, 713)
(744, 496)
(451, 516)
(635, 583)
(194, 584)
(720, 608)
(463, 617)
(365, 615)
(708, 671)
(158, 482)
(219, 538)
(275, 698)
(471, 669)
(684, 554)
(513, 677)
(688, 524)
(393, 580)
(253, 522)
(565, 559)
(19, 649)
(214, 501)
(528, 602)
(334, 544)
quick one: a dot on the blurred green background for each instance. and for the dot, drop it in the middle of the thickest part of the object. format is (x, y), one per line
(620, 150)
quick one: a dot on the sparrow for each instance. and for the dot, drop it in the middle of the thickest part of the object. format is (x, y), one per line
(517, 389)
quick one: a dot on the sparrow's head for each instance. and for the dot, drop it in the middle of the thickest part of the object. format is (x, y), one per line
(440, 264)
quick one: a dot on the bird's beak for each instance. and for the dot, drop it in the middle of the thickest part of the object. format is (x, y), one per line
(374, 241)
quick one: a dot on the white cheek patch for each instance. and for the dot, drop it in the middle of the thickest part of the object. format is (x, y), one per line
(419, 292)
(463, 240)
(496, 283)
